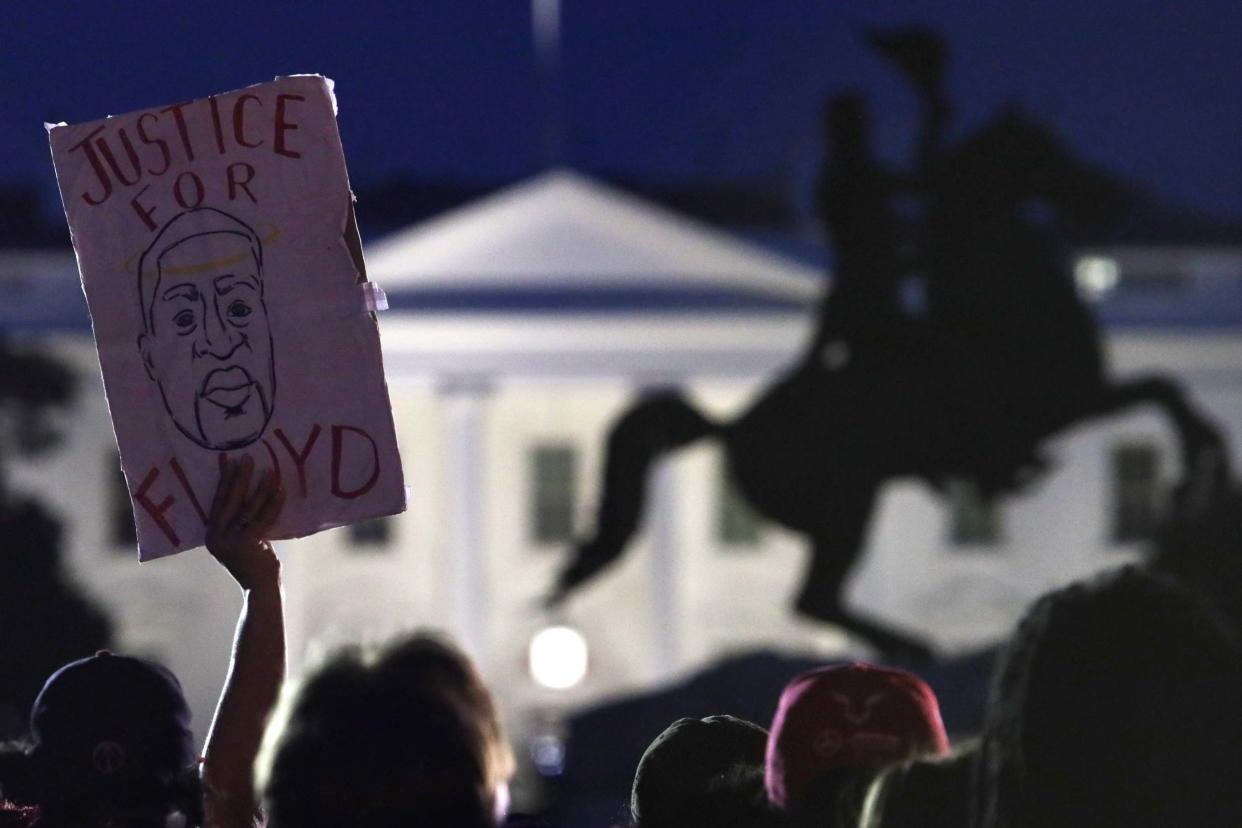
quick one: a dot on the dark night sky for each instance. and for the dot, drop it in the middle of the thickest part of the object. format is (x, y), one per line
(653, 89)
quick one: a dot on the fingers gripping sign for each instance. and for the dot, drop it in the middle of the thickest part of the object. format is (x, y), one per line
(240, 519)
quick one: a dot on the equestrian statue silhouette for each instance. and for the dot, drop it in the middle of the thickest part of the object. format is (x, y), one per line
(997, 354)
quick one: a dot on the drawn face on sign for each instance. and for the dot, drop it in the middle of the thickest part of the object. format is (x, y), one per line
(206, 341)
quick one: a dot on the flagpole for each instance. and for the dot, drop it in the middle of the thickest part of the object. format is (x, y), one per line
(546, 30)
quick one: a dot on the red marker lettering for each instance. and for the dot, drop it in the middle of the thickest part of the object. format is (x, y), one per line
(338, 439)
(299, 457)
(156, 510)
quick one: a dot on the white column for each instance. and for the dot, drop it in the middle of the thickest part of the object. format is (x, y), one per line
(465, 401)
(666, 568)
(667, 595)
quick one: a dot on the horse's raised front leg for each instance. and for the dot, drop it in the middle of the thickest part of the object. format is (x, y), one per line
(1197, 434)
(835, 547)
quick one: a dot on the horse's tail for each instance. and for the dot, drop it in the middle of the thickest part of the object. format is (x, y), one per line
(649, 429)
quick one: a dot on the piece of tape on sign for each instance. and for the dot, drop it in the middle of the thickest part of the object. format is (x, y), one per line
(373, 297)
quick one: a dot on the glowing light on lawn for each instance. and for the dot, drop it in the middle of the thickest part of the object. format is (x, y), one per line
(1096, 275)
(558, 658)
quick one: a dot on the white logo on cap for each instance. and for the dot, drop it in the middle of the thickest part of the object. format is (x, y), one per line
(862, 714)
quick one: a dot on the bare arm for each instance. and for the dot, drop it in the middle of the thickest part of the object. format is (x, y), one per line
(239, 520)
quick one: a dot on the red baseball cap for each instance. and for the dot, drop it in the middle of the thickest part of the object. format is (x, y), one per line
(850, 715)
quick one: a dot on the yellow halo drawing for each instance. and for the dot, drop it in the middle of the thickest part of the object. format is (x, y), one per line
(267, 232)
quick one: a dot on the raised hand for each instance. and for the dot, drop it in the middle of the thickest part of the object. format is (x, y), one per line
(240, 521)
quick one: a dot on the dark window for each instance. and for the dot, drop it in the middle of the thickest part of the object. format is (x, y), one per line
(121, 529)
(1136, 491)
(554, 488)
(370, 535)
(974, 520)
(737, 523)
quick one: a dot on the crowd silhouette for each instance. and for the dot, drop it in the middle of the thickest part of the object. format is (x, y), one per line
(35, 593)
(1114, 703)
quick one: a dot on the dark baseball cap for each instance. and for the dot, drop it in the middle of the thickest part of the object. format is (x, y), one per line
(109, 715)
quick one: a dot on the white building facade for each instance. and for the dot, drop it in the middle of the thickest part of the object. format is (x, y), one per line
(520, 327)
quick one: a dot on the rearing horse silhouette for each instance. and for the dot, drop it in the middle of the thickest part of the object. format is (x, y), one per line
(1003, 356)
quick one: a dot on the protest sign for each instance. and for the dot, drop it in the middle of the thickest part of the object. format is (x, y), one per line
(219, 258)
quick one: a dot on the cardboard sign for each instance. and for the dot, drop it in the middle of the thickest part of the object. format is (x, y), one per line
(214, 242)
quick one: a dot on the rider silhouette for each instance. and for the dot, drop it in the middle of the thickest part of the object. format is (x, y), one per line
(855, 205)
(873, 251)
